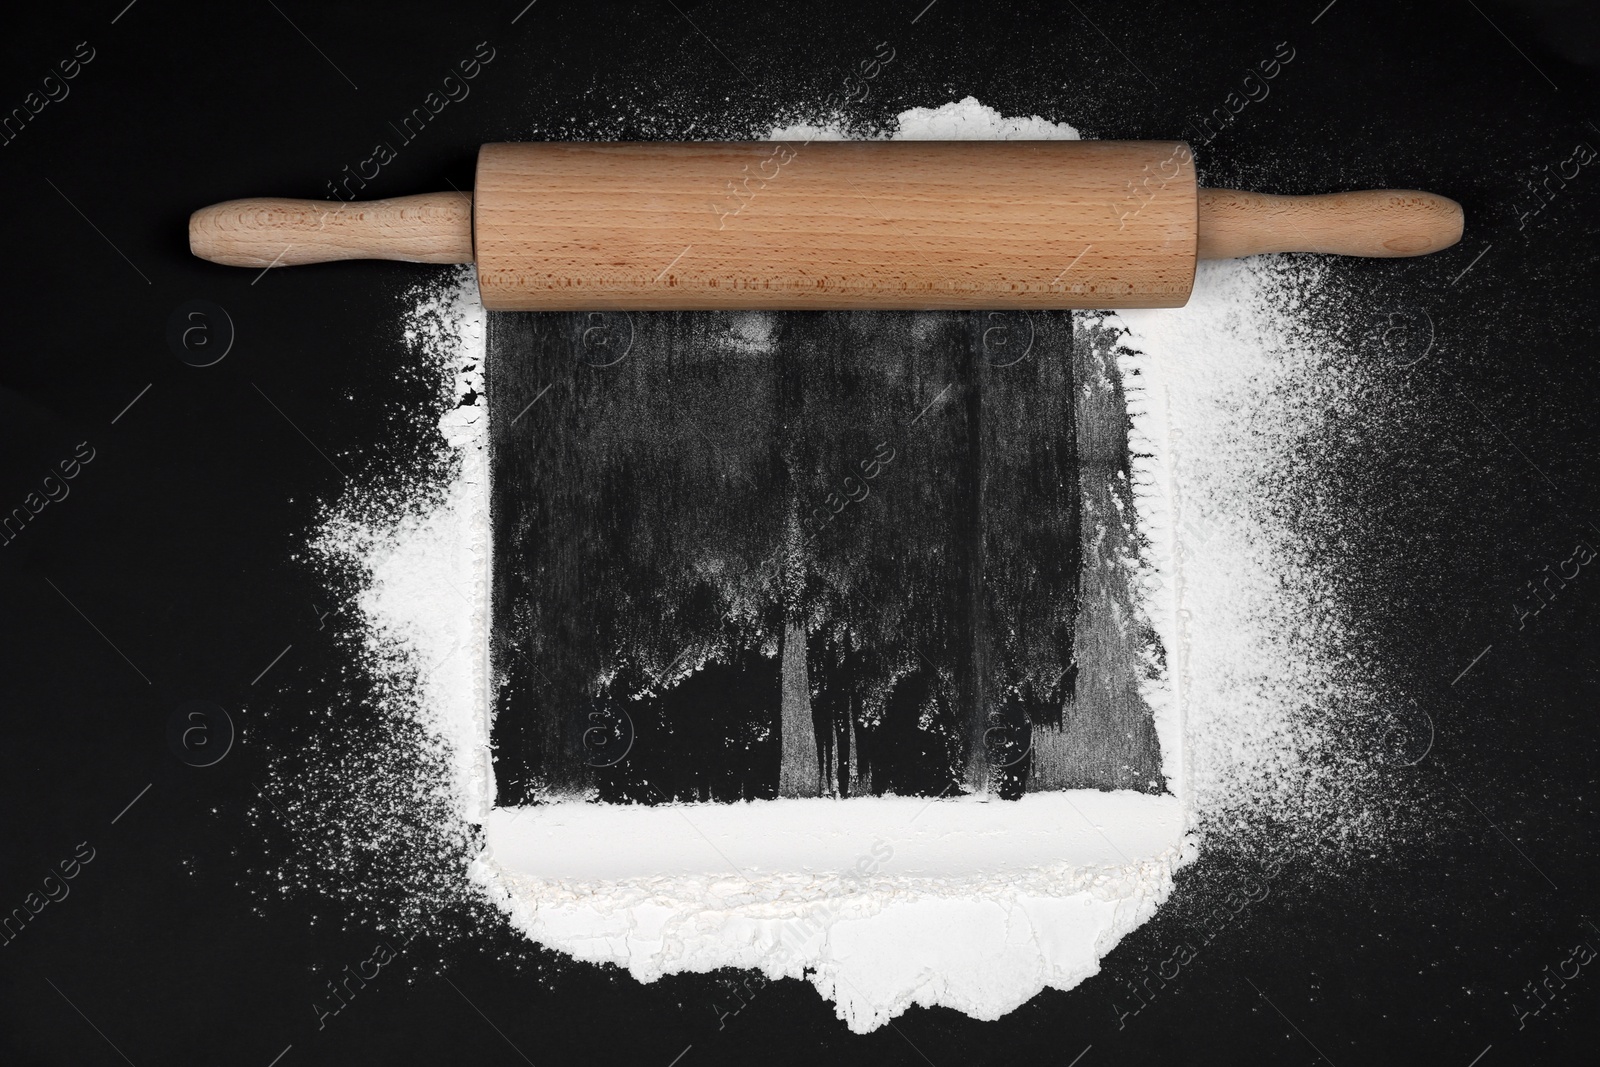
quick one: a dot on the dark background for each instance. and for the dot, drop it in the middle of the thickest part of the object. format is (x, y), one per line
(170, 573)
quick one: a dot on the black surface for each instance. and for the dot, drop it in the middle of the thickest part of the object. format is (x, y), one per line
(178, 538)
(677, 497)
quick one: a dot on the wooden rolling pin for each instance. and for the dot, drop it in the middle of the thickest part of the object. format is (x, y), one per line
(828, 225)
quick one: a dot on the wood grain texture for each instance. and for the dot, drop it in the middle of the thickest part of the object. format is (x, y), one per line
(264, 231)
(835, 225)
(1374, 222)
(828, 225)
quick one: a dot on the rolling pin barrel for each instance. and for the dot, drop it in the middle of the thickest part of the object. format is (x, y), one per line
(829, 225)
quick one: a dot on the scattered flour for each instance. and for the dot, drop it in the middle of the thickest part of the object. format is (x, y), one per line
(883, 903)
(966, 120)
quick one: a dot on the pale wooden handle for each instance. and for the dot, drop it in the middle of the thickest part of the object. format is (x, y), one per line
(268, 232)
(1374, 222)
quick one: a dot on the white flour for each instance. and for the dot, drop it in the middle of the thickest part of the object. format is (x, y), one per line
(972, 905)
(967, 120)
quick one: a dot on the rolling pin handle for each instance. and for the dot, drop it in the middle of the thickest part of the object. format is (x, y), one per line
(1373, 222)
(273, 232)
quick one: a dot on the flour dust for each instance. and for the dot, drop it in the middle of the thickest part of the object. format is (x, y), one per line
(1266, 729)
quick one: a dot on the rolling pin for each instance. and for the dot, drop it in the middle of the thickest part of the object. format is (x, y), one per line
(883, 225)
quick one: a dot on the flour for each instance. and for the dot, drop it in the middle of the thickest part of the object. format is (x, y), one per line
(966, 120)
(886, 902)
(375, 804)
(1279, 760)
